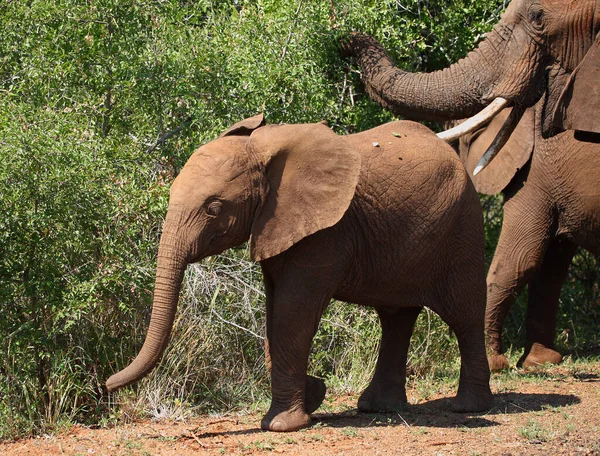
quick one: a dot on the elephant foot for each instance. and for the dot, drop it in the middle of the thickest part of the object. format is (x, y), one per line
(538, 355)
(497, 362)
(287, 421)
(380, 399)
(315, 393)
(472, 399)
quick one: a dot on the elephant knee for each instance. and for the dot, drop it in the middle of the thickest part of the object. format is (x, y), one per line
(511, 271)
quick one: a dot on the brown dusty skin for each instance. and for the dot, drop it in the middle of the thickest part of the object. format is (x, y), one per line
(549, 211)
(545, 46)
(550, 179)
(351, 228)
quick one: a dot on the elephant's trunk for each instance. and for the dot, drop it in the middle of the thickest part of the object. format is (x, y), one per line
(457, 92)
(169, 275)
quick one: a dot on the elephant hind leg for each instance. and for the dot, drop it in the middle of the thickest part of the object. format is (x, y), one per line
(474, 394)
(386, 392)
(461, 304)
(542, 308)
(537, 355)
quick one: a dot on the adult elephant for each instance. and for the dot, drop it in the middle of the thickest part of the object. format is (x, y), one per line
(551, 191)
(387, 218)
(545, 52)
(547, 48)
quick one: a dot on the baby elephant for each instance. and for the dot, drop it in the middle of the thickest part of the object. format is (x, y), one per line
(386, 218)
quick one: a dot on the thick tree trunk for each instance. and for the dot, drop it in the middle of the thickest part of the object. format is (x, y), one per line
(169, 275)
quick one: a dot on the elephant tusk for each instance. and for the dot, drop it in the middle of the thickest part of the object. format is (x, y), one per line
(500, 140)
(473, 123)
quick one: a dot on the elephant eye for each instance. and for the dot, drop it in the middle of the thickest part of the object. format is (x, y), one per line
(536, 16)
(214, 208)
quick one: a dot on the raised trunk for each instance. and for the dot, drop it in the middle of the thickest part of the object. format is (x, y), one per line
(459, 91)
(169, 275)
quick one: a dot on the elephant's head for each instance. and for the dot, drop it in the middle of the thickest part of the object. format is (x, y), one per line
(273, 184)
(539, 48)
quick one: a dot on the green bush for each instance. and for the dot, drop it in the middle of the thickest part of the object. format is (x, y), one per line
(100, 104)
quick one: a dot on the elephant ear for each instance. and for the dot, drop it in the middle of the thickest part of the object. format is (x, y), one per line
(245, 127)
(512, 157)
(578, 107)
(311, 175)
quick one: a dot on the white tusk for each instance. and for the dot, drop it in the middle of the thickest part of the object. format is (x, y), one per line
(501, 138)
(482, 164)
(473, 123)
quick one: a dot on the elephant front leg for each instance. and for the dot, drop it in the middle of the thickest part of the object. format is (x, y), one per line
(522, 245)
(315, 387)
(291, 325)
(386, 392)
(542, 308)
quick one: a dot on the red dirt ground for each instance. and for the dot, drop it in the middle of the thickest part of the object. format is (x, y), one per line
(554, 412)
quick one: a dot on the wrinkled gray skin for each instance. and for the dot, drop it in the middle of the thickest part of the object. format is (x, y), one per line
(385, 218)
(551, 190)
(545, 52)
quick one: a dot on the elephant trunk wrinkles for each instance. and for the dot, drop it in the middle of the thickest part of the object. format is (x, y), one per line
(456, 92)
(169, 275)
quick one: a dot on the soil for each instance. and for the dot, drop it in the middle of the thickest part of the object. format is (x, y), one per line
(553, 411)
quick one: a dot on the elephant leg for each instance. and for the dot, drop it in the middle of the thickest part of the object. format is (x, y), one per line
(315, 387)
(542, 308)
(474, 394)
(386, 392)
(293, 316)
(464, 312)
(522, 245)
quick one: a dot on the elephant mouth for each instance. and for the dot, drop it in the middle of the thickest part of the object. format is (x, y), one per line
(480, 120)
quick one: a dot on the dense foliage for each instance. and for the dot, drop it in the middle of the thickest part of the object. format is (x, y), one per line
(101, 102)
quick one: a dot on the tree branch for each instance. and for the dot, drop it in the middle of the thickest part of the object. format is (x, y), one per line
(164, 137)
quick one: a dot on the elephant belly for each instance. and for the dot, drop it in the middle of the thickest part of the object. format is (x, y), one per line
(576, 191)
(389, 277)
(386, 298)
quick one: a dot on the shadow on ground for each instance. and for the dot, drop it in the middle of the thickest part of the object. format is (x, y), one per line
(434, 413)
(509, 403)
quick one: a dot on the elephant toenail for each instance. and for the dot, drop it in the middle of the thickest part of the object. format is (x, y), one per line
(278, 426)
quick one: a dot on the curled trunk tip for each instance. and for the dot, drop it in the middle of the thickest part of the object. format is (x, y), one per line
(451, 93)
